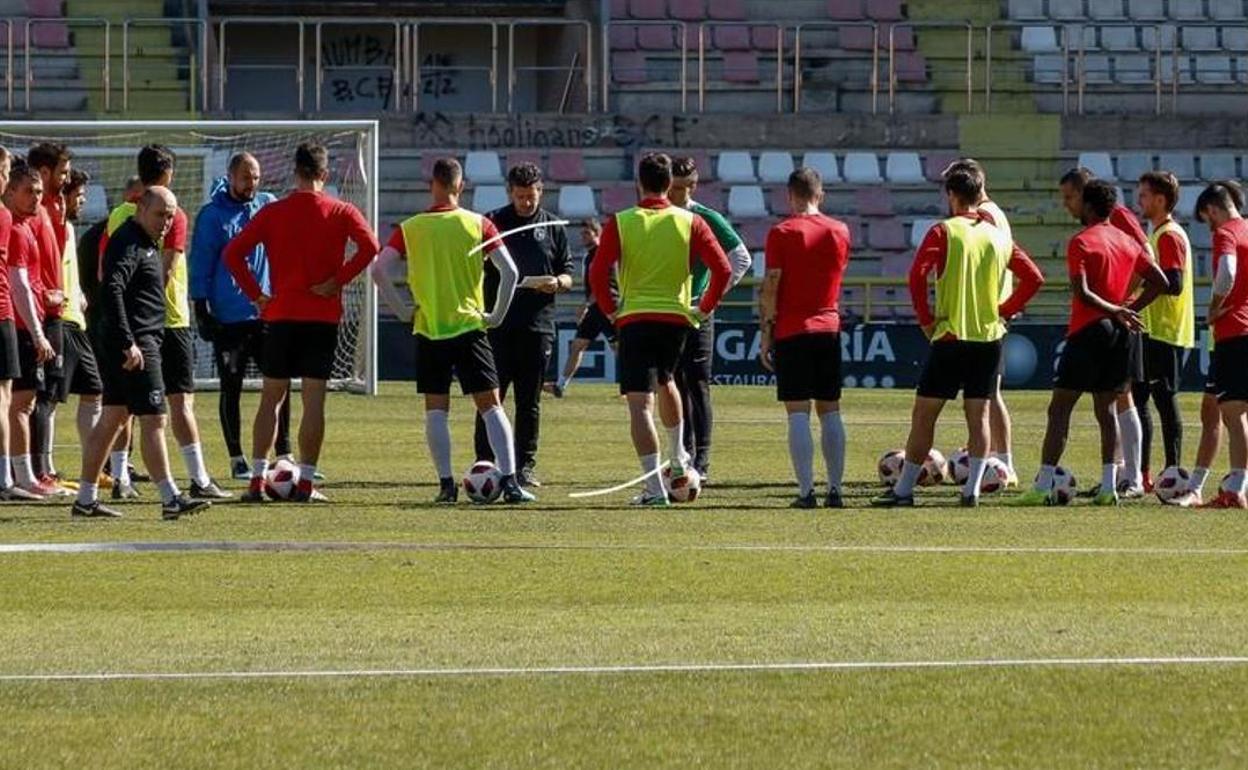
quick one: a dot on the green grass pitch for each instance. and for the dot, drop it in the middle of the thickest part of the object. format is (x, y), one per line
(736, 578)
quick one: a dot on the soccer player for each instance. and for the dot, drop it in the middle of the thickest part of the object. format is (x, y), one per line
(693, 375)
(1101, 260)
(591, 323)
(305, 237)
(1228, 314)
(1133, 483)
(655, 245)
(447, 282)
(523, 342)
(22, 196)
(223, 314)
(807, 255)
(970, 257)
(1169, 322)
(134, 314)
(10, 366)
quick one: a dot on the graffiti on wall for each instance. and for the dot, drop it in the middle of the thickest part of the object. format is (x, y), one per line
(504, 132)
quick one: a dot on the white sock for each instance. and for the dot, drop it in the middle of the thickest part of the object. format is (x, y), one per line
(975, 478)
(6, 472)
(677, 455)
(193, 456)
(307, 472)
(650, 464)
(1131, 432)
(259, 467)
(802, 452)
(1199, 475)
(502, 441)
(832, 442)
(1005, 457)
(1109, 477)
(1238, 482)
(119, 466)
(168, 489)
(438, 437)
(22, 471)
(909, 477)
(88, 492)
(1044, 479)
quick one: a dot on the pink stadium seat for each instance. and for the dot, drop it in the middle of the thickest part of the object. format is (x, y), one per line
(778, 200)
(873, 202)
(845, 10)
(656, 37)
(857, 231)
(623, 37)
(647, 9)
(516, 157)
(857, 38)
(887, 235)
(884, 10)
(754, 233)
(740, 66)
(731, 38)
(53, 9)
(50, 35)
(687, 10)
(567, 166)
(727, 10)
(712, 195)
(936, 162)
(628, 67)
(619, 9)
(903, 37)
(618, 196)
(765, 38)
(895, 264)
(911, 67)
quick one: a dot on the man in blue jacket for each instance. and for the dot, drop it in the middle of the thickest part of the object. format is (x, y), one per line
(223, 314)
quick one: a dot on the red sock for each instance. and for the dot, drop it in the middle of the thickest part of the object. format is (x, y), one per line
(256, 484)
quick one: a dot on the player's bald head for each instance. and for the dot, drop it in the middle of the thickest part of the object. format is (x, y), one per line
(158, 194)
(156, 209)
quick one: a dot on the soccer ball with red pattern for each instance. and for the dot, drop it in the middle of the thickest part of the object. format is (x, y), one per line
(281, 480)
(483, 482)
(1172, 483)
(1064, 488)
(890, 466)
(684, 489)
(995, 476)
(960, 466)
(934, 469)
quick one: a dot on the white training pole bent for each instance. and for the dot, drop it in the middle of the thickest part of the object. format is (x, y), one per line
(514, 230)
(619, 487)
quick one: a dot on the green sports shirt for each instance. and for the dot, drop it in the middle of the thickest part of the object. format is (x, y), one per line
(728, 240)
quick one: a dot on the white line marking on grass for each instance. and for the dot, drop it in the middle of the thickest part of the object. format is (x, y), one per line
(655, 668)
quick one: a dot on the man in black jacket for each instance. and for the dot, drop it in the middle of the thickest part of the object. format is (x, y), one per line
(523, 343)
(132, 314)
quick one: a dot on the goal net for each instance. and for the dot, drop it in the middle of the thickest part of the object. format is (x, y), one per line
(108, 150)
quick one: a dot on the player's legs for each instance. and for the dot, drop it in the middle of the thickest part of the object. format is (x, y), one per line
(311, 425)
(96, 448)
(43, 419)
(832, 443)
(1165, 363)
(1001, 426)
(801, 450)
(21, 407)
(1057, 427)
(645, 438)
(434, 367)
(155, 453)
(527, 378)
(694, 381)
(88, 414)
(273, 391)
(1141, 394)
(979, 437)
(6, 467)
(229, 353)
(576, 352)
(1210, 439)
(503, 346)
(1235, 417)
(923, 418)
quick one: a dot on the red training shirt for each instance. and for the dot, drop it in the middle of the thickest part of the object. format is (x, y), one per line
(48, 267)
(1231, 239)
(1125, 220)
(811, 251)
(24, 252)
(305, 236)
(1109, 258)
(933, 252)
(55, 205)
(702, 246)
(1170, 252)
(6, 232)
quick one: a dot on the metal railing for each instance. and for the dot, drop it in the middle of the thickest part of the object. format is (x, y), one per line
(918, 25)
(395, 69)
(274, 21)
(8, 62)
(197, 65)
(799, 76)
(587, 68)
(749, 27)
(491, 70)
(70, 23)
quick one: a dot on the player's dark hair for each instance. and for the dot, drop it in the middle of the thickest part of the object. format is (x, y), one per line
(805, 183)
(1077, 178)
(448, 172)
(20, 172)
(963, 164)
(654, 172)
(965, 184)
(155, 160)
(1162, 183)
(238, 159)
(48, 155)
(77, 178)
(592, 223)
(311, 161)
(524, 175)
(684, 167)
(1099, 197)
(1226, 195)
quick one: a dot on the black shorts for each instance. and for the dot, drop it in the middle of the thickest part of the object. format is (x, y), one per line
(81, 374)
(142, 390)
(1096, 359)
(808, 366)
(30, 375)
(237, 345)
(699, 354)
(10, 366)
(1211, 381)
(54, 368)
(649, 354)
(595, 324)
(1163, 363)
(958, 365)
(1231, 358)
(1135, 357)
(467, 356)
(177, 361)
(299, 349)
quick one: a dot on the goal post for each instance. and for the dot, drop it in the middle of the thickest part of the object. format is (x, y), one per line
(107, 150)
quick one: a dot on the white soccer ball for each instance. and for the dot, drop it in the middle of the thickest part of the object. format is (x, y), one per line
(1173, 482)
(890, 466)
(281, 480)
(934, 468)
(995, 475)
(686, 489)
(1065, 487)
(960, 466)
(483, 482)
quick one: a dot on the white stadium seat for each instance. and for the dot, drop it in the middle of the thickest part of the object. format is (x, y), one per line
(862, 168)
(1217, 165)
(1096, 69)
(1119, 39)
(1040, 40)
(824, 163)
(746, 201)
(1187, 200)
(775, 167)
(735, 167)
(576, 201)
(487, 197)
(96, 206)
(1066, 9)
(1235, 38)
(918, 229)
(1200, 39)
(1134, 68)
(1132, 164)
(904, 168)
(1187, 10)
(1105, 10)
(1214, 70)
(1146, 10)
(1026, 10)
(1181, 164)
(483, 167)
(1226, 10)
(1049, 68)
(1099, 164)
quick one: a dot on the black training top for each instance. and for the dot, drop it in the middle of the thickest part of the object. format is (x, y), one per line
(132, 294)
(89, 269)
(540, 251)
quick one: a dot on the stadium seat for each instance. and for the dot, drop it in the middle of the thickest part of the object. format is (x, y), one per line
(775, 167)
(1096, 69)
(1200, 236)
(903, 36)
(687, 10)
(862, 168)
(825, 164)
(618, 196)
(884, 10)
(765, 37)
(735, 167)
(732, 38)
(1200, 39)
(482, 167)
(858, 38)
(1146, 10)
(1134, 68)
(1214, 70)
(712, 195)
(53, 34)
(846, 10)
(1091, 41)
(741, 67)
(1132, 164)
(577, 201)
(778, 199)
(1226, 10)
(1049, 68)
(746, 201)
(754, 233)
(873, 202)
(628, 67)
(911, 67)
(891, 266)
(1241, 69)
(96, 206)
(567, 166)
(516, 157)
(918, 230)
(49, 9)
(1066, 10)
(656, 37)
(1181, 164)
(1187, 201)
(904, 168)
(488, 197)
(886, 235)
(727, 10)
(1187, 10)
(1040, 40)
(1217, 165)
(1185, 71)
(1105, 10)
(1235, 38)
(623, 37)
(1099, 164)
(1027, 10)
(1119, 39)
(1148, 37)
(647, 9)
